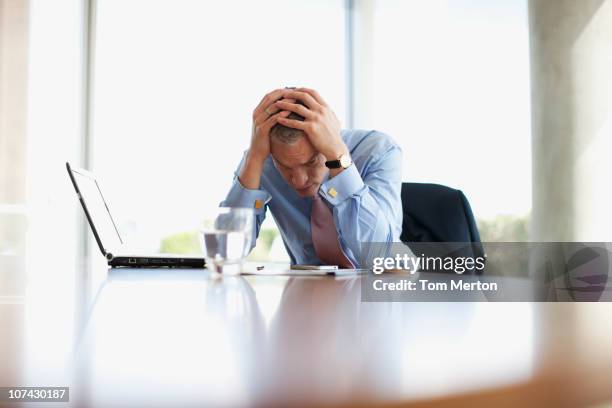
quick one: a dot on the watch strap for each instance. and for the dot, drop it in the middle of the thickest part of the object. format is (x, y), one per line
(333, 164)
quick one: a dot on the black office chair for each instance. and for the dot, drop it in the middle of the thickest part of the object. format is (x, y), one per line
(438, 214)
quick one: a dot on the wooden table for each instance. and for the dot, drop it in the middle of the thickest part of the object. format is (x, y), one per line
(185, 338)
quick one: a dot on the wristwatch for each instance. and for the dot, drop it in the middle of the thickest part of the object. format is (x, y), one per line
(343, 161)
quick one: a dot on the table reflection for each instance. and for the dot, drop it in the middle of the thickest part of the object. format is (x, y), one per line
(185, 338)
(171, 338)
(324, 344)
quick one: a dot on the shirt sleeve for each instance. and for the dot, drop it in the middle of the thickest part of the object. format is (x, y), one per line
(241, 197)
(367, 207)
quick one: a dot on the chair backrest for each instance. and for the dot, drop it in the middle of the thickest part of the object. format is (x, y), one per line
(436, 213)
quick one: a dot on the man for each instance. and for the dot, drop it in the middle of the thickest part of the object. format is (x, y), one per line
(329, 190)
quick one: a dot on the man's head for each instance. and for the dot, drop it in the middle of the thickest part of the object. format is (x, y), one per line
(302, 167)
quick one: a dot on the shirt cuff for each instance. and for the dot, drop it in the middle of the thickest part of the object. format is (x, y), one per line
(347, 183)
(242, 197)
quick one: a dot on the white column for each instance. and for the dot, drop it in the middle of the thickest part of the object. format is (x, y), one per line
(363, 43)
(13, 224)
(571, 62)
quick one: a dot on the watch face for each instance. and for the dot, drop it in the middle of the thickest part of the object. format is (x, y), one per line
(345, 161)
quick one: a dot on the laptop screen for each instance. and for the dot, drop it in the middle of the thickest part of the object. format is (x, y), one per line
(98, 211)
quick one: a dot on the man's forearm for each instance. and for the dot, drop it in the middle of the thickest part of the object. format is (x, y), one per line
(250, 175)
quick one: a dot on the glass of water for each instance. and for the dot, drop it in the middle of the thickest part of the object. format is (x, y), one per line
(226, 239)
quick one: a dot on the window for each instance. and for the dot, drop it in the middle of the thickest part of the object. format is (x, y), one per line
(450, 82)
(176, 82)
(175, 85)
(40, 56)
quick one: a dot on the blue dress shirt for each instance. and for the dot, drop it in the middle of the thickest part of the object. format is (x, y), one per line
(366, 203)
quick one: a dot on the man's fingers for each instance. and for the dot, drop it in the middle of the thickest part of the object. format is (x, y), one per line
(292, 123)
(271, 109)
(296, 108)
(267, 100)
(264, 112)
(314, 94)
(263, 115)
(273, 120)
(308, 100)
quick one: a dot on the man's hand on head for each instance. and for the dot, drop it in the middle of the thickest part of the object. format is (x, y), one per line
(265, 116)
(320, 123)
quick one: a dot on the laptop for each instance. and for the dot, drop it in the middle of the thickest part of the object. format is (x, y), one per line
(107, 235)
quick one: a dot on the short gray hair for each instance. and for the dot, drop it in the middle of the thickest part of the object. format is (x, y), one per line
(287, 135)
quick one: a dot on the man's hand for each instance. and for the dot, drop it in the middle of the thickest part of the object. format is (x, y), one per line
(320, 123)
(265, 116)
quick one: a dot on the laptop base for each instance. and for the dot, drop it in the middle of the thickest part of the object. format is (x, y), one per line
(150, 262)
